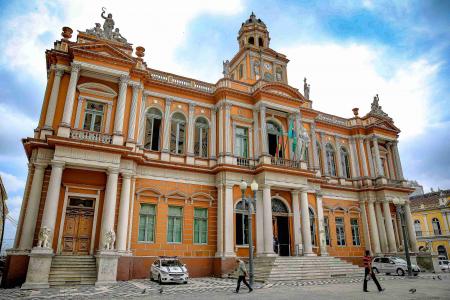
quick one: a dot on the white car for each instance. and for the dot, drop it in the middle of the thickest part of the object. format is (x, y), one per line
(444, 265)
(169, 269)
(393, 264)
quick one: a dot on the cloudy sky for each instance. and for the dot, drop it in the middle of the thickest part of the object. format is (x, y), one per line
(348, 50)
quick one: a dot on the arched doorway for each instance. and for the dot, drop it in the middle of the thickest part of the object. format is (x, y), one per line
(442, 252)
(280, 223)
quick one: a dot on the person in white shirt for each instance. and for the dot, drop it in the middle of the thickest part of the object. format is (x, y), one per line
(242, 273)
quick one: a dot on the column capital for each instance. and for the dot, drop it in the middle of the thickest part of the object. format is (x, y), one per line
(123, 79)
(227, 105)
(228, 185)
(59, 72)
(192, 107)
(168, 101)
(40, 165)
(319, 194)
(295, 192)
(265, 186)
(363, 201)
(371, 200)
(112, 170)
(76, 67)
(57, 164)
(136, 87)
(126, 174)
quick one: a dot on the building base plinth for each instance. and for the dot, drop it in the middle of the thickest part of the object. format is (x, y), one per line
(38, 269)
(117, 140)
(107, 261)
(64, 131)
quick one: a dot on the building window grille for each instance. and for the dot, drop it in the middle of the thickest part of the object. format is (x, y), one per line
(340, 232)
(146, 230)
(174, 224)
(178, 133)
(241, 142)
(345, 163)
(417, 228)
(201, 137)
(355, 232)
(330, 155)
(93, 116)
(152, 129)
(200, 225)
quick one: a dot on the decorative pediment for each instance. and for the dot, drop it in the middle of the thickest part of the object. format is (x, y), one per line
(200, 196)
(388, 125)
(177, 196)
(149, 192)
(102, 49)
(281, 90)
(95, 88)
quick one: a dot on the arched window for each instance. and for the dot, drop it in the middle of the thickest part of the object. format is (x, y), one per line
(312, 225)
(152, 129)
(417, 228)
(177, 133)
(260, 42)
(345, 163)
(201, 137)
(436, 226)
(275, 139)
(251, 40)
(241, 215)
(330, 160)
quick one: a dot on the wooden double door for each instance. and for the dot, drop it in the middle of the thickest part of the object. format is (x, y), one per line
(77, 230)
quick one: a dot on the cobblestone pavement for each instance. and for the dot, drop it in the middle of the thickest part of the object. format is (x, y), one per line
(428, 286)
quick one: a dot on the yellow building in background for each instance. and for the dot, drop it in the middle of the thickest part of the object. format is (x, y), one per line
(431, 214)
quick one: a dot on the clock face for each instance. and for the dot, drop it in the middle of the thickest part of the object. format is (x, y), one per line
(268, 66)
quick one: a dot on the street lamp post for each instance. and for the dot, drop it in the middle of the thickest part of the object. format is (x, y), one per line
(249, 202)
(399, 202)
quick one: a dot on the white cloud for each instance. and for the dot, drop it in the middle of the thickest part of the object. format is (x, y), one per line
(12, 183)
(160, 26)
(347, 76)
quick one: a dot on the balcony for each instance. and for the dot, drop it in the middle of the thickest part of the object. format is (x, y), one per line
(90, 136)
(246, 162)
(283, 162)
(430, 235)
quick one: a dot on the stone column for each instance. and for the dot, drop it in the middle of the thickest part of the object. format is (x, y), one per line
(259, 224)
(166, 135)
(109, 205)
(23, 207)
(321, 222)
(212, 141)
(49, 116)
(369, 156)
(397, 161)
(228, 140)
(389, 227)
(229, 221)
(190, 125)
(132, 120)
(306, 226)
(124, 208)
(410, 226)
(263, 125)
(339, 170)
(268, 230)
(390, 161)
(362, 205)
(256, 134)
(379, 166)
(362, 154)
(52, 199)
(354, 157)
(221, 123)
(316, 163)
(400, 232)
(120, 110)
(425, 223)
(64, 126)
(373, 228)
(32, 209)
(381, 228)
(446, 228)
(219, 251)
(142, 121)
(296, 223)
(324, 154)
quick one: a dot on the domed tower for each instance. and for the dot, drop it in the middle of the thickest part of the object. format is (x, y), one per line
(255, 59)
(253, 33)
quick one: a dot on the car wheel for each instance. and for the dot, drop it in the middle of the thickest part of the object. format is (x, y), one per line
(185, 282)
(375, 270)
(388, 273)
(415, 274)
(400, 272)
(159, 279)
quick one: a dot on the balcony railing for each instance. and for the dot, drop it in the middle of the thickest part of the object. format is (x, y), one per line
(432, 234)
(90, 136)
(283, 162)
(182, 81)
(246, 162)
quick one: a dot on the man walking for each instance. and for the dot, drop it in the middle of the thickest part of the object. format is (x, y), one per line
(242, 273)
(369, 272)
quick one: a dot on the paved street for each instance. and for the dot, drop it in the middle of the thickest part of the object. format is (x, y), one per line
(204, 288)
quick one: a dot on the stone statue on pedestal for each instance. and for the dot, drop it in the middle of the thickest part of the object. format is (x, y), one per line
(44, 235)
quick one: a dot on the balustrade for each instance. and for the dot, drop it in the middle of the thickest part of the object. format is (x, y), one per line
(90, 136)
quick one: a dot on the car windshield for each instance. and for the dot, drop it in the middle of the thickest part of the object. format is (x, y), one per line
(444, 262)
(170, 263)
(399, 260)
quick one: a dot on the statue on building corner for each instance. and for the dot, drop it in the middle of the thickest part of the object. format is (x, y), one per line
(110, 239)
(306, 89)
(108, 25)
(44, 235)
(375, 107)
(226, 69)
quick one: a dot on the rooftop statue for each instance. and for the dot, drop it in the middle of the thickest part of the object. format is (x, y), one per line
(375, 107)
(306, 89)
(108, 32)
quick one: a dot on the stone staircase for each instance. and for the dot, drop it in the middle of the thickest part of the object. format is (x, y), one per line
(292, 268)
(69, 270)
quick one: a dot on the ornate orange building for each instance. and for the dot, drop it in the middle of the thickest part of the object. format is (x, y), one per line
(129, 163)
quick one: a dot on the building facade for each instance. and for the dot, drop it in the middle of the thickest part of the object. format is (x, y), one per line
(431, 215)
(148, 163)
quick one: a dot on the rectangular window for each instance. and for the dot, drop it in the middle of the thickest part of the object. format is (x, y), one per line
(340, 232)
(146, 231)
(93, 116)
(200, 225)
(241, 229)
(327, 231)
(174, 224)
(355, 232)
(241, 140)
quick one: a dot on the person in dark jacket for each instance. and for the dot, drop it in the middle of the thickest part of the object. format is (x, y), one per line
(367, 259)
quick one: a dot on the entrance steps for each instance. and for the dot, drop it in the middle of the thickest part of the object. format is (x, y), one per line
(69, 270)
(292, 268)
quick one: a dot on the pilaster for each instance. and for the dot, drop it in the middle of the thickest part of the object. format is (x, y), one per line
(64, 126)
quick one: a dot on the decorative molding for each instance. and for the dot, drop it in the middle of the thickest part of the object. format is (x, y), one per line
(98, 89)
